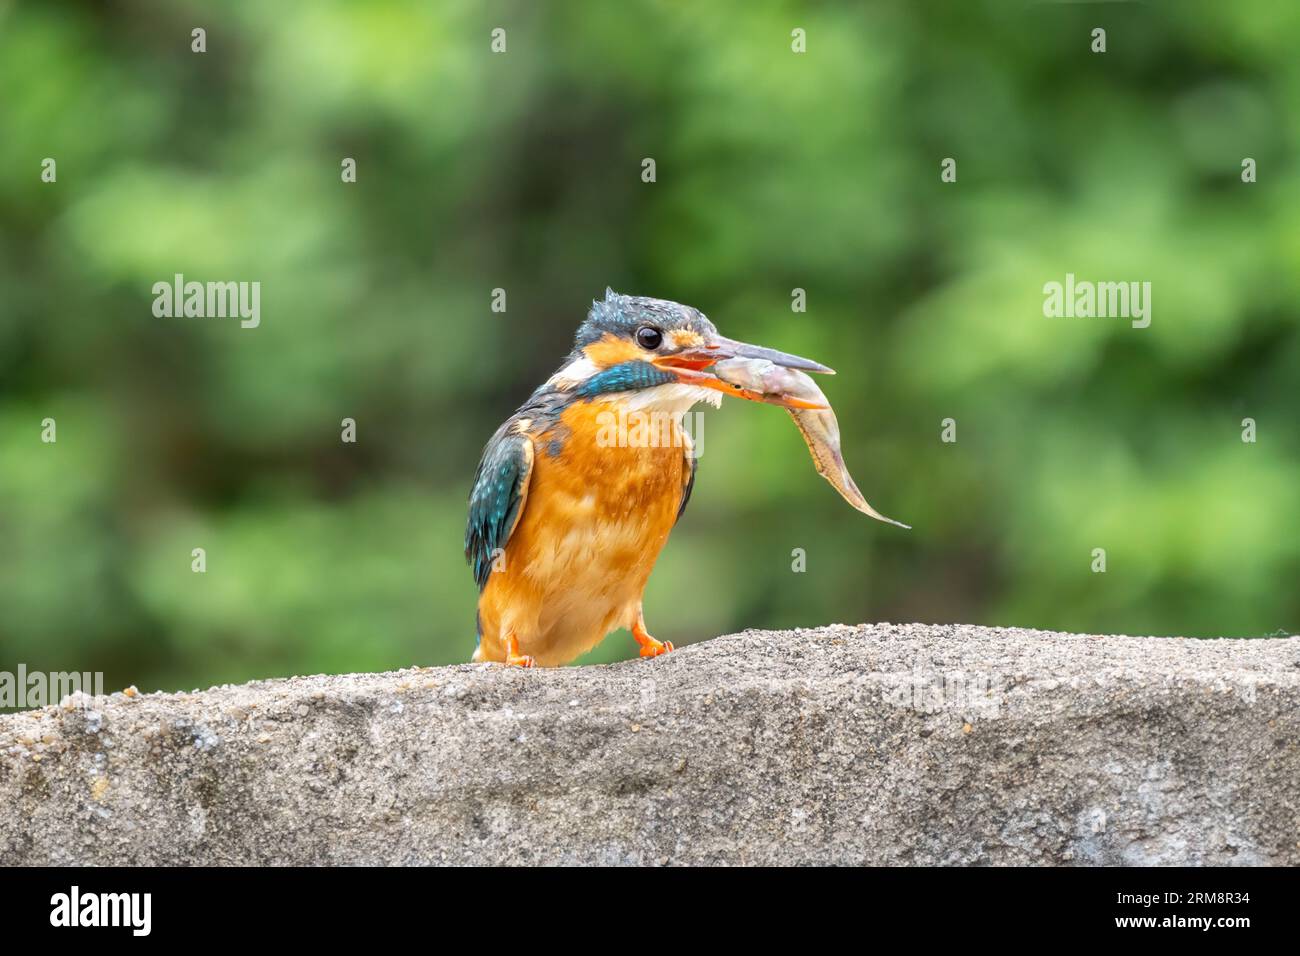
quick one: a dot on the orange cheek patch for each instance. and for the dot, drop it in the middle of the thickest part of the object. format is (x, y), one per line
(610, 350)
(686, 339)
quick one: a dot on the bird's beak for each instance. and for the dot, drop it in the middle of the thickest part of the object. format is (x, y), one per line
(689, 365)
(724, 348)
(719, 348)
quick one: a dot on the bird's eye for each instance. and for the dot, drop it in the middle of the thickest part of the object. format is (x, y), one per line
(649, 338)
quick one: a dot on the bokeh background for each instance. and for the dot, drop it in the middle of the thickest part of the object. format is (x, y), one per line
(522, 171)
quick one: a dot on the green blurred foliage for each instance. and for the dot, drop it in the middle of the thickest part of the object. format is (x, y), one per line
(522, 171)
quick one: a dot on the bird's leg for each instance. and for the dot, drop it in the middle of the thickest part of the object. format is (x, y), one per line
(513, 657)
(649, 646)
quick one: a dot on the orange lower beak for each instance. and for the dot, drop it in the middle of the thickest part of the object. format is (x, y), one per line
(690, 373)
(689, 365)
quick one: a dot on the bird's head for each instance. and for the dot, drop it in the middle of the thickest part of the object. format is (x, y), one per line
(657, 352)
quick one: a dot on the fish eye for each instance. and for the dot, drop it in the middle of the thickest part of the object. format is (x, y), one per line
(649, 338)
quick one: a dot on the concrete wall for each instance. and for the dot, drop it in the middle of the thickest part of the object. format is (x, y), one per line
(878, 744)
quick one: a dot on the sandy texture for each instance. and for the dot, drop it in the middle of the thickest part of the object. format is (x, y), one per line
(873, 744)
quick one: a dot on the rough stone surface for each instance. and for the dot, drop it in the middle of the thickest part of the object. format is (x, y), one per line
(878, 744)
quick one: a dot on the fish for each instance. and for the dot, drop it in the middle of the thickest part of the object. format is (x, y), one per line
(763, 381)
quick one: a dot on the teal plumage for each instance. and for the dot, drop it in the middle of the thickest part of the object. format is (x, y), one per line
(496, 499)
(624, 377)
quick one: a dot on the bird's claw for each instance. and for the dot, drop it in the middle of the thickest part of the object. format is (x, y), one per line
(514, 658)
(649, 646)
(652, 648)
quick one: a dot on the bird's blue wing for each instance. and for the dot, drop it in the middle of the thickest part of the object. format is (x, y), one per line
(497, 501)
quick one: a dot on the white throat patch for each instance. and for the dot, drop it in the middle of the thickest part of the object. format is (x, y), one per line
(673, 398)
(573, 374)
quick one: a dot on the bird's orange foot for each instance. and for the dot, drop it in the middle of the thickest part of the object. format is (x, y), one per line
(649, 646)
(514, 658)
(653, 648)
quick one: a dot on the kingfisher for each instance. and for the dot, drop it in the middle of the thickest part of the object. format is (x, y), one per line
(577, 491)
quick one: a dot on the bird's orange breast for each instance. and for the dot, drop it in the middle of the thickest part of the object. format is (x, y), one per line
(603, 496)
